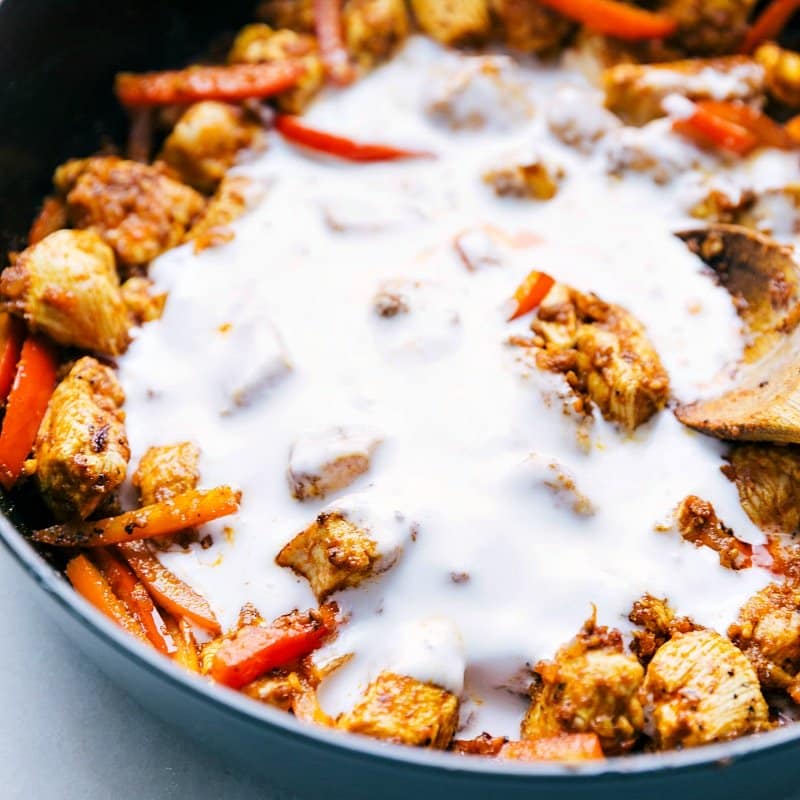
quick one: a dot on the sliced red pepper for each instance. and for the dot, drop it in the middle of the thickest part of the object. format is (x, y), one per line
(769, 23)
(256, 649)
(33, 386)
(768, 132)
(328, 27)
(707, 129)
(530, 293)
(232, 83)
(182, 634)
(133, 594)
(616, 19)
(12, 332)
(566, 747)
(295, 131)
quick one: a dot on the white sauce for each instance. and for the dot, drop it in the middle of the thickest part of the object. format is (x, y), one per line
(508, 570)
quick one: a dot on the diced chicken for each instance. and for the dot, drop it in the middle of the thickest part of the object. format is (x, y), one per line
(135, 208)
(67, 287)
(577, 120)
(699, 688)
(166, 471)
(479, 92)
(557, 479)
(721, 205)
(529, 176)
(767, 478)
(277, 688)
(452, 22)
(782, 68)
(659, 624)
(235, 195)
(260, 44)
(636, 92)
(604, 353)
(142, 304)
(699, 524)
(530, 27)
(298, 15)
(400, 709)
(374, 29)
(347, 543)
(330, 460)
(768, 632)
(590, 687)
(709, 27)
(206, 142)
(81, 448)
(652, 150)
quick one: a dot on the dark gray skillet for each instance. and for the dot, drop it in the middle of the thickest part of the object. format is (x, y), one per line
(56, 63)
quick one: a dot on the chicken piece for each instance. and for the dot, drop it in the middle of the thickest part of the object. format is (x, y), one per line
(345, 545)
(768, 632)
(206, 142)
(530, 27)
(235, 195)
(330, 460)
(260, 44)
(298, 15)
(700, 688)
(699, 524)
(708, 27)
(767, 478)
(479, 92)
(67, 287)
(81, 448)
(166, 471)
(482, 745)
(374, 29)
(719, 206)
(406, 711)
(277, 688)
(137, 209)
(591, 687)
(529, 177)
(453, 22)
(604, 353)
(782, 71)
(659, 625)
(635, 92)
(142, 304)
(576, 119)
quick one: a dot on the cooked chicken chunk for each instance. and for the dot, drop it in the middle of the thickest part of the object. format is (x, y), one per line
(782, 68)
(373, 29)
(767, 478)
(453, 21)
(206, 142)
(768, 631)
(343, 547)
(166, 471)
(699, 524)
(406, 711)
(258, 44)
(531, 27)
(137, 209)
(329, 460)
(67, 287)
(81, 448)
(590, 687)
(142, 304)
(636, 92)
(699, 688)
(528, 176)
(709, 27)
(659, 625)
(718, 205)
(604, 353)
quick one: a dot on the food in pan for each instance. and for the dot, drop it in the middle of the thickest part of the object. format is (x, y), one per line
(427, 372)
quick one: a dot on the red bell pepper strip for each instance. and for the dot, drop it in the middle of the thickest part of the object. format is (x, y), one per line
(768, 132)
(133, 594)
(616, 19)
(33, 386)
(292, 129)
(328, 27)
(231, 83)
(707, 129)
(170, 592)
(769, 23)
(182, 634)
(186, 510)
(566, 747)
(530, 293)
(12, 332)
(256, 649)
